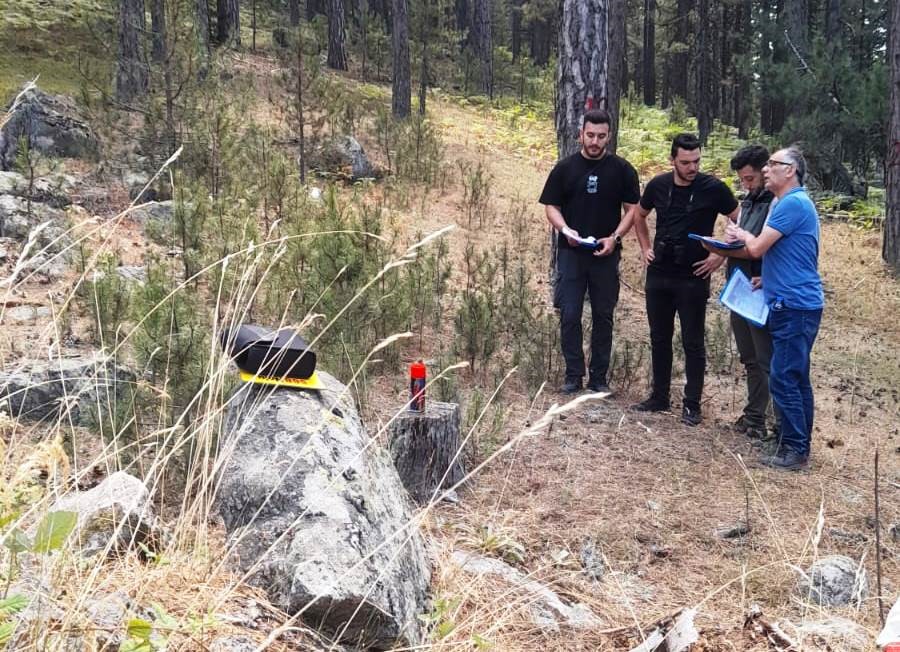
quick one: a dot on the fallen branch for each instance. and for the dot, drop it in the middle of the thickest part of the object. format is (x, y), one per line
(771, 630)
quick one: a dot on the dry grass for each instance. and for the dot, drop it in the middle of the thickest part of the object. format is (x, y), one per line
(648, 490)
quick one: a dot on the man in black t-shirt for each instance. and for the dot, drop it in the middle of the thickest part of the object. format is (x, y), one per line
(678, 269)
(583, 198)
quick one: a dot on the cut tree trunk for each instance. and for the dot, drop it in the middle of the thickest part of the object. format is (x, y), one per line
(425, 448)
(891, 247)
(649, 59)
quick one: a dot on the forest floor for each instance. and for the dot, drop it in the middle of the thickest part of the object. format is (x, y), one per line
(649, 492)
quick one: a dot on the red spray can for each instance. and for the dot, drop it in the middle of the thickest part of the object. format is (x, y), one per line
(417, 386)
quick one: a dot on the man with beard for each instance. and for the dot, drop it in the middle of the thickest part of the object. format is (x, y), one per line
(789, 247)
(678, 269)
(753, 342)
(583, 197)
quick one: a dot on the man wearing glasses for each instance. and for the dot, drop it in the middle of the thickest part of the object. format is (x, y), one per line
(583, 197)
(678, 269)
(789, 248)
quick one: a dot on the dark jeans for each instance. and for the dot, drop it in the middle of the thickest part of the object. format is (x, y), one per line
(667, 295)
(793, 334)
(580, 272)
(754, 346)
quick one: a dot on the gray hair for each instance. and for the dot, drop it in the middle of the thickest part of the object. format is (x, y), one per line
(795, 156)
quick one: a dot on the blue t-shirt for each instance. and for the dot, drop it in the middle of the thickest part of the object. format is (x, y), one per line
(790, 267)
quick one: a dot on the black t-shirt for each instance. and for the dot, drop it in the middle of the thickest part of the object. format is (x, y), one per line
(590, 193)
(681, 210)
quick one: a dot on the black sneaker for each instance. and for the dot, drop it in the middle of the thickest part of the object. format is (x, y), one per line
(652, 404)
(597, 386)
(690, 416)
(571, 386)
(785, 460)
(757, 432)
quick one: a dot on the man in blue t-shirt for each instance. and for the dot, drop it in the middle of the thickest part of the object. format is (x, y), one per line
(789, 248)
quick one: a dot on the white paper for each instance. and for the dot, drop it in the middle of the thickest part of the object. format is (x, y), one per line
(740, 297)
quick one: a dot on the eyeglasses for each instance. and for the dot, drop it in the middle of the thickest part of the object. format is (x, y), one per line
(772, 162)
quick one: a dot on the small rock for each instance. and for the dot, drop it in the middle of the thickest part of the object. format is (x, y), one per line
(232, 644)
(733, 531)
(451, 497)
(548, 610)
(653, 506)
(592, 560)
(135, 274)
(21, 314)
(834, 581)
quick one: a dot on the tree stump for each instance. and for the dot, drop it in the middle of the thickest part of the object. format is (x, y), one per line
(425, 449)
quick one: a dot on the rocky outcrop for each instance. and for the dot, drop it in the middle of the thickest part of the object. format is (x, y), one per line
(77, 387)
(18, 217)
(53, 190)
(53, 126)
(834, 581)
(317, 512)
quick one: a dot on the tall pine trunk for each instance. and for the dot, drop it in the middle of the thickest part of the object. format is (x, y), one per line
(483, 44)
(201, 21)
(401, 99)
(228, 25)
(337, 55)
(891, 247)
(132, 72)
(703, 100)
(680, 60)
(742, 79)
(294, 12)
(649, 56)
(158, 29)
(589, 66)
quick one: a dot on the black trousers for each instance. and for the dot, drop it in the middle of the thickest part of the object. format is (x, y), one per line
(667, 295)
(581, 272)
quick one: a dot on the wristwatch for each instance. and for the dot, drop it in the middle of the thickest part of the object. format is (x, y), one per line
(617, 239)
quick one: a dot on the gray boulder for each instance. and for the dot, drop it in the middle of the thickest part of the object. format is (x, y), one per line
(53, 125)
(18, 218)
(834, 581)
(344, 155)
(136, 182)
(115, 515)
(78, 386)
(54, 189)
(316, 509)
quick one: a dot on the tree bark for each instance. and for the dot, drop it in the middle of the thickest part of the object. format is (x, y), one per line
(796, 23)
(228, 25)
(201, 18)
(832, 23)
(425, 447)
(401, 99)
(681, 58)
(313, 8)
(589, 66)
(891, 246)
(649, 54)
(515, 28)
(483, 44)
(158, 29)
(337, 55)
(703, 100)
(742, 70)
(294, 12)
(132, 72)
